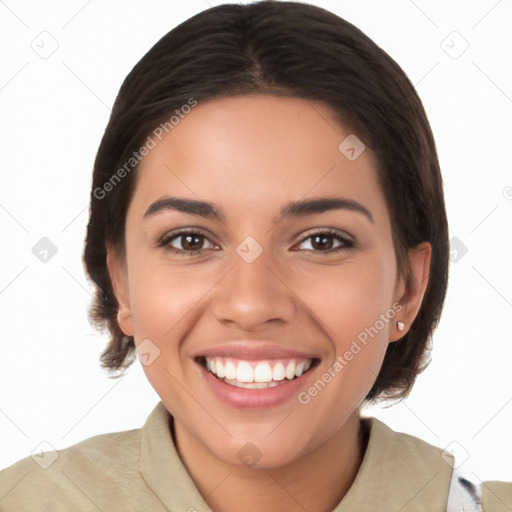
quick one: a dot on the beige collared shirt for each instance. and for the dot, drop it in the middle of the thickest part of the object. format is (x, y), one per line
(141, 470)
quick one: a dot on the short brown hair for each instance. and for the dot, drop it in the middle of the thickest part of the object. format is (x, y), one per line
(298, 50)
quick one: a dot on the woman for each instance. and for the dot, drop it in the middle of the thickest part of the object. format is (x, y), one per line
(268, 233)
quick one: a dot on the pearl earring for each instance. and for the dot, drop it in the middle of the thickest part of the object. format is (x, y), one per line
(400, 325)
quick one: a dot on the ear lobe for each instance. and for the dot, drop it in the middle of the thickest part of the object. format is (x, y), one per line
(412, 298)
(119, 279)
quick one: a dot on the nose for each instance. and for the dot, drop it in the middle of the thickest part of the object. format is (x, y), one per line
(253, 294)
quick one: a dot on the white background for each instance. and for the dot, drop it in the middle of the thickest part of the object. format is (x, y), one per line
(54, 111)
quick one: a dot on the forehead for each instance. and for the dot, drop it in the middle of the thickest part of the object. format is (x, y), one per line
(256, 153)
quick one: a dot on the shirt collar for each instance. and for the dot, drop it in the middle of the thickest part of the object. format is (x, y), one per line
(162, 468)
(398, 472)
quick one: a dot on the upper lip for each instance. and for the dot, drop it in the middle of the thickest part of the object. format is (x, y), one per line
(254, 351)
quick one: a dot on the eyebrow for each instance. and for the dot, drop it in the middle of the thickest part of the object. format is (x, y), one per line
(293, 209)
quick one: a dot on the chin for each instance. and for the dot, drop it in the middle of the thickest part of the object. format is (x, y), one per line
(259, 449)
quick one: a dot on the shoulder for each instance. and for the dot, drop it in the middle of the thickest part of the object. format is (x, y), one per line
(415, 460)
(496, 496)
(107, 460)
(410, 449)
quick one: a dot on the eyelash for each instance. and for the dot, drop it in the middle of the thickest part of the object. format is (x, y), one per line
(165, 240)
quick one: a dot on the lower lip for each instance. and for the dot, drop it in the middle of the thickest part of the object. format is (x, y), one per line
(245, 398)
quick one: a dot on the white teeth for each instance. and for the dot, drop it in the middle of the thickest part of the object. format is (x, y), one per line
(278, 372)
(263, 374)
(220, 370)
(244, 372)
(299, 369)
(230, 370)
(290, 370)
(251, 385)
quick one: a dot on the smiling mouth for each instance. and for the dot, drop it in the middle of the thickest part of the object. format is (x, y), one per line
(252, 374)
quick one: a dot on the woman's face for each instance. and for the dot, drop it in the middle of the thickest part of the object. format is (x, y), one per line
(271, 287)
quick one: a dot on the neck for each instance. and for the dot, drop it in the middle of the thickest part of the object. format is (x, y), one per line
(316, 482)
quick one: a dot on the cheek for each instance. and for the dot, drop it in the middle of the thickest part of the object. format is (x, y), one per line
(165, 304)
(348, 298)
(160, 298)
(167, 301)
(353, 303)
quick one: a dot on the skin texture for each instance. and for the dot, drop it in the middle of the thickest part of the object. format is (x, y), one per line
(251, 155)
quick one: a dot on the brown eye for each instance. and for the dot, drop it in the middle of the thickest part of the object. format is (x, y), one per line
(323, 242)
(191, 242)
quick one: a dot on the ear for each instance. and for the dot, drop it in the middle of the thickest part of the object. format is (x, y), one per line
(411, 299)
(117, 270)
